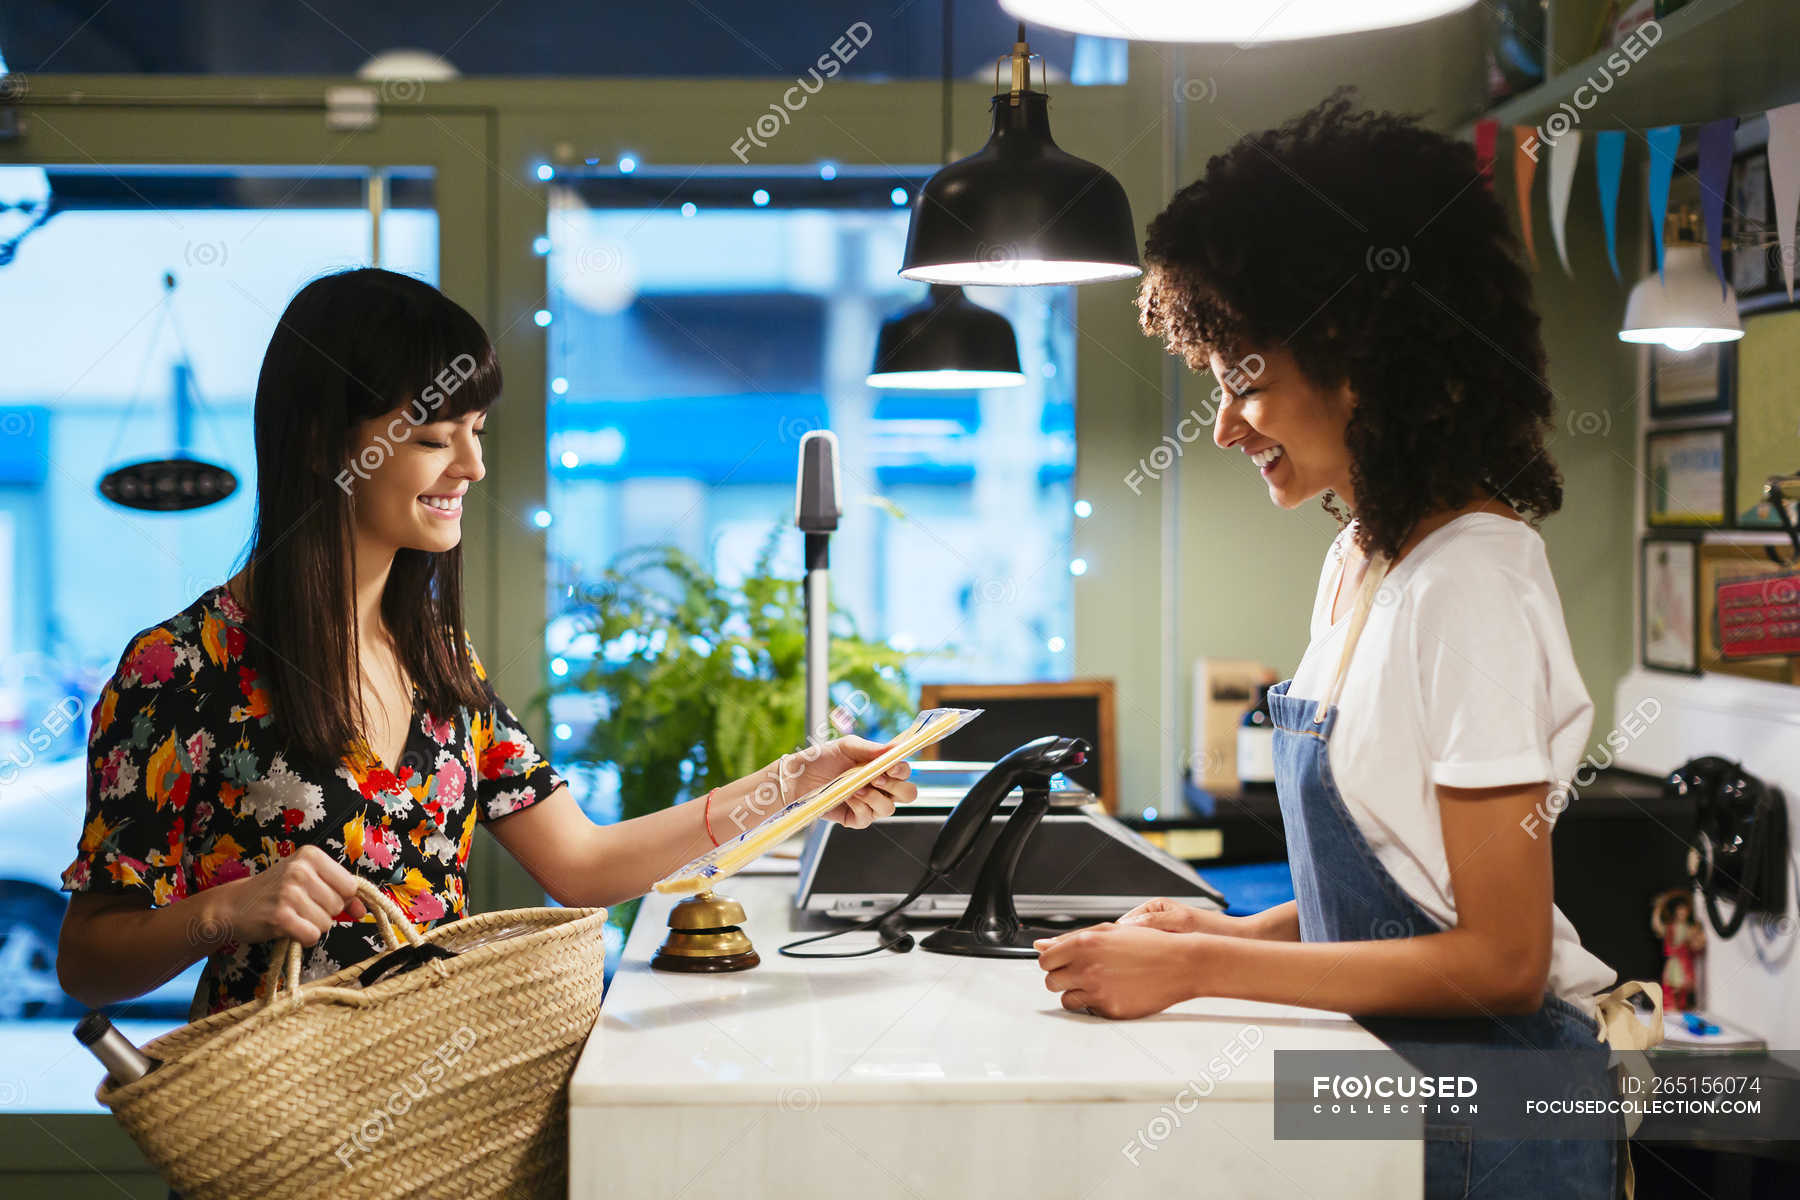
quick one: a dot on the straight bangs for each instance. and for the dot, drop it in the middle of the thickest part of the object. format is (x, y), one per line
(351, 347)
(432, 359)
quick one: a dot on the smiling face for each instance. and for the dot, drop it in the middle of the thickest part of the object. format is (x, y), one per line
(414, 499)
(1290, 429)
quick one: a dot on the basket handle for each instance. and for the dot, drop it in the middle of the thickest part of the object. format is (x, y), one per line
(284, 967)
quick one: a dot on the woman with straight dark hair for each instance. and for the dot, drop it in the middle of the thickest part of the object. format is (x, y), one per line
(323, 716)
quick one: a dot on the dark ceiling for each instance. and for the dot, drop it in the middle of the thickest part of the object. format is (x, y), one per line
(503, 37)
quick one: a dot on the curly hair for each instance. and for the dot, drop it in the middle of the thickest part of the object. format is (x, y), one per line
(1368, 248)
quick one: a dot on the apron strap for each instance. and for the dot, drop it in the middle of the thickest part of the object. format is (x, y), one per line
(1373, 574)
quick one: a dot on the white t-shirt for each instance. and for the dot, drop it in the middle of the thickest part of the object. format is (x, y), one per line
(1463, 676)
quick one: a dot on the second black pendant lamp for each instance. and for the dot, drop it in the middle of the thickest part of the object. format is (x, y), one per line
(1021, 210)
(946, 341)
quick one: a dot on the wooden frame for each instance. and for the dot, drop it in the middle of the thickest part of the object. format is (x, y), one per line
(1721, 562)
(1763, 428)
(1654, 514)
(1677, 391)
(1754, 270)
(937, 695)
(1686, 616)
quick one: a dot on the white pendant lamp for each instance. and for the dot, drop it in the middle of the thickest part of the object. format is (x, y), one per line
(1685, 306)
(1225, 20)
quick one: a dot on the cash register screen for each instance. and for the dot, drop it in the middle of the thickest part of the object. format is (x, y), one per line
(1009, 722)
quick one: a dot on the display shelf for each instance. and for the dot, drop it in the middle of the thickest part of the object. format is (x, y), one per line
(1715, 58)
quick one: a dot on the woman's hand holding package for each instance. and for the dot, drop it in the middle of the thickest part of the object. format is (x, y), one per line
(810, 769)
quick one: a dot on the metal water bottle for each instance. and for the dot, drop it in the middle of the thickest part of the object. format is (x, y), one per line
(123, 1061)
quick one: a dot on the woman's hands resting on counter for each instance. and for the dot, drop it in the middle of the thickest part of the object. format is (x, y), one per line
(1494, 960)
(1121, 968)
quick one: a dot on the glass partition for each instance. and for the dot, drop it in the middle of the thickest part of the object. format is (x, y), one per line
(700, 323)
(135, 319)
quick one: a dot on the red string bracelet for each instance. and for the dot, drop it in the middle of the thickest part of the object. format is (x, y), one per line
(708, 814)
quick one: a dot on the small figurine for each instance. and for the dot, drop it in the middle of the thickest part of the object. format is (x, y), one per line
(1684, 941)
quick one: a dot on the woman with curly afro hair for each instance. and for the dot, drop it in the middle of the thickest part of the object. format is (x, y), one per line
(1355, 287)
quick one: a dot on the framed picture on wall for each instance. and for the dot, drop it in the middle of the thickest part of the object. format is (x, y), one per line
(1691, 383)
(1767, 431)
(1687, 477)
(1669, 609)
(1753, 267)
(1724, 563)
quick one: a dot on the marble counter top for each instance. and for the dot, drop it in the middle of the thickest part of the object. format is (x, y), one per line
(925, 1066)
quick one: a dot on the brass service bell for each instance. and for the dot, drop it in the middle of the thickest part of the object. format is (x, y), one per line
(706, 934)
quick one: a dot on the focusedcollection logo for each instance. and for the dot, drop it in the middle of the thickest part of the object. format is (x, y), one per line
(1430, 1095)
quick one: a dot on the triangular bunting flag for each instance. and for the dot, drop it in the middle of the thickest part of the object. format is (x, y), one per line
(1715, 181)
(1524, 171)
(1609, 163)
(1663, 140)
(1784, 180)
(1565, 152)
(1486, 131)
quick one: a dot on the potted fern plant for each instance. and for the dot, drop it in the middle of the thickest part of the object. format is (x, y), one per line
(697, 683)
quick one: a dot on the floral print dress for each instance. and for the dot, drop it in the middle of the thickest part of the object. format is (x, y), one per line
(191, 785)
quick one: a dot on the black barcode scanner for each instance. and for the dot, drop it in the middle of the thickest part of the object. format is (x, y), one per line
(1030, 766)
(990, 926)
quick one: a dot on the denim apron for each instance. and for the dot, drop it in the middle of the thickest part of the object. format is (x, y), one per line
(1345, 895)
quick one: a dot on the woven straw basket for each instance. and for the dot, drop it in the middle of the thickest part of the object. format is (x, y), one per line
(447, 1079)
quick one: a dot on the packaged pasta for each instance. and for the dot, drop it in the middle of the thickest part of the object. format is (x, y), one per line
(728, 857)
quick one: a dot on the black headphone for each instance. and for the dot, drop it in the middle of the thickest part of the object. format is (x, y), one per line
(1740, 849)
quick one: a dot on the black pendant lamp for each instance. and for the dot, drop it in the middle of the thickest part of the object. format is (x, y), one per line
(946, 341)
(1021, 210)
